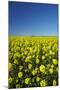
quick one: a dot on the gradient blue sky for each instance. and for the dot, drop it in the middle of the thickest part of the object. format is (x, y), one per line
(33, 19)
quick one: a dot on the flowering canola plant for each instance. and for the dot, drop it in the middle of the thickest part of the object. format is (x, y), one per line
(33, 62)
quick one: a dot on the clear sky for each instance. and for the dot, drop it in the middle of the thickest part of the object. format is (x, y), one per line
(33, 19)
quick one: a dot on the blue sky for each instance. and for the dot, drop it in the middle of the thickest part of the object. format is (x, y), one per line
(33, 19)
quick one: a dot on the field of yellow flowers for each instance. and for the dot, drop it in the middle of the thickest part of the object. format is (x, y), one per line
(33, 62)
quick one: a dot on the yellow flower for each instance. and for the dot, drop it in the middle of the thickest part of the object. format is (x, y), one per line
(27, 80)
(54, 82)
(51, 70)
(52, 66)
(29, 66)
(10, 66)
(37, 60)
(37, 79)
(55, 62)
(43, 83)
(20, 67)
(34, 72)
(17, 85)
(16, 61)
(43, 57)
(42, 68)
(10, 79)
(20, 74)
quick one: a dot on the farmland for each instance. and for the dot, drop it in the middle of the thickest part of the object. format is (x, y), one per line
(33, 61)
